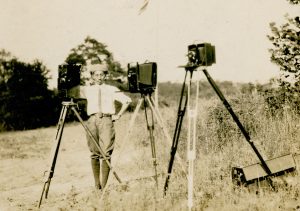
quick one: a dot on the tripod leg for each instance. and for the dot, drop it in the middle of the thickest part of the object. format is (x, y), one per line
(161, 123)
(159, 118)
(180, 115)
(95, 142)
(239, 124)
(131, 123)
(150, 127)
(191, 145)
(54, 151)
(132, 120)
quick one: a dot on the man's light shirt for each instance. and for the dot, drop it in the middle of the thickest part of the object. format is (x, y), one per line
(104, 94)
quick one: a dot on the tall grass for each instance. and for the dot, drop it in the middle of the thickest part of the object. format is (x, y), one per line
(220, 146)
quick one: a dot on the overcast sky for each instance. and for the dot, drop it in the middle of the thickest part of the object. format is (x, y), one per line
(48, 30)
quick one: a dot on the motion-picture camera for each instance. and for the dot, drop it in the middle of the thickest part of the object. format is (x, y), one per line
(142, 77)
(68, 77)
(201, 55)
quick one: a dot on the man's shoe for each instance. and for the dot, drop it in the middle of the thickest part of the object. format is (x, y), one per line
(98, 191)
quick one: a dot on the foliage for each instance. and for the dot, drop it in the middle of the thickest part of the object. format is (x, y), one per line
(26, 101)
(286, 51)
(4, 73)
(286, 54)
(221, 123)
(294, 1)
(278, 99)
(92, 50)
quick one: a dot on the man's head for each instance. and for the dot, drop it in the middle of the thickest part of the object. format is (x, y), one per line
(98, 72)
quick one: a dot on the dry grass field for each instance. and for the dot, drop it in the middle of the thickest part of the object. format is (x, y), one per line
(25, 155)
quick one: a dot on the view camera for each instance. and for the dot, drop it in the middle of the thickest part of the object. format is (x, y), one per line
(68, 77)
(142, 77)
(201, 55)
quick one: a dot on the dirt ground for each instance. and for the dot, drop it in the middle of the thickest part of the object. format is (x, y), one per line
(25, 156)
(22, 171)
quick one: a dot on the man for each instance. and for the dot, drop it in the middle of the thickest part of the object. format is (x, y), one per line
(102, 115)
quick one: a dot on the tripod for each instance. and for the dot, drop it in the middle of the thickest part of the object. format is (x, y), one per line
(146, 98)
(154, 112)
(55, 148)
(184, 104)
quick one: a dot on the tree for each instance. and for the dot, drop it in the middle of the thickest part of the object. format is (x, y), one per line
(286, 54)
(286, 51)
(27, 80)
(90, 51)
(294, 1)
(26, 101)
(5, 73)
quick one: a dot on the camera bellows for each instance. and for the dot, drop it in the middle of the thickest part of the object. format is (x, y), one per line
(142, 77)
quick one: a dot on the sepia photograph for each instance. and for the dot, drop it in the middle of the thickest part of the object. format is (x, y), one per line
(150, 105)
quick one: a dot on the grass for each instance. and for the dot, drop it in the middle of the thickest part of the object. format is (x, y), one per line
(220, 146)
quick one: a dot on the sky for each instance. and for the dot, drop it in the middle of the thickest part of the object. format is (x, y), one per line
(48, 30)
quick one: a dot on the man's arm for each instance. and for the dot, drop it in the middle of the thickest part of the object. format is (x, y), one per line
(125, 101)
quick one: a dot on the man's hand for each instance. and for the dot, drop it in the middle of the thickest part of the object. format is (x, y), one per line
(115, 117)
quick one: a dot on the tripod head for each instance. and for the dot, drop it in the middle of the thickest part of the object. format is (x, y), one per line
(69, 103)
(147, 91)
(190, 68)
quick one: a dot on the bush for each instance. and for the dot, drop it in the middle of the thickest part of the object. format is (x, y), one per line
(277, 99)
(39, 111)
(220, 123)
(26, 102)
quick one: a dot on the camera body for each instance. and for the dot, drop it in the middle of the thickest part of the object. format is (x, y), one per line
(201, 55)
(68, 77)
(142, 78)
